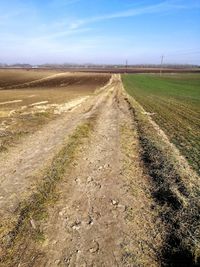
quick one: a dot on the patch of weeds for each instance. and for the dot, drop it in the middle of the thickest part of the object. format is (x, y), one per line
(44, 114)
(39, 236)
(129, 214)
(128, 258)
(42, 215)
(3, 148)
(10, 139)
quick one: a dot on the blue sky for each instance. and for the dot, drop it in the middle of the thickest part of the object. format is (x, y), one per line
(99, 31)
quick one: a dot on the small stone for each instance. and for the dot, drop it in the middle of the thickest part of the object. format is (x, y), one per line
(33, 224)
(106, 165)
(76, 225)
(100, 168)
(90, 220)
(94, 246)
(114, 202)
(67, 260)
(61, 213)
(89, 179)
(57, 262)
(97, 185)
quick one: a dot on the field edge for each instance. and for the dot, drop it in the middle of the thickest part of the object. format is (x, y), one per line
(174, 188)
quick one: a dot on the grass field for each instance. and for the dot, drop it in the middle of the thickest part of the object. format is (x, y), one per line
(174, 103)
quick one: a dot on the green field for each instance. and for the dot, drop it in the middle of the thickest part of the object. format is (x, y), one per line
(174, 103)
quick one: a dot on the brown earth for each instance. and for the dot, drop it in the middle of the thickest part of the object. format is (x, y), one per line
(9, 77)
(33, 79)
(103, 214)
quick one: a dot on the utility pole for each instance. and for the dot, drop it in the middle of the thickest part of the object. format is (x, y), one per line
(162, 58)
(126, 66)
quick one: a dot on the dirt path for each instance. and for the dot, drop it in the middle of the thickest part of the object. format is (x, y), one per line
(23, 163)
(104, 215)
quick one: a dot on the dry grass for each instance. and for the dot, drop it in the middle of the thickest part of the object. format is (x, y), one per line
(174, 187)
(143, 217)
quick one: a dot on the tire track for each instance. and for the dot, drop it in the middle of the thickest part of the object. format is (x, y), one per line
(21, 169)
(103, 216)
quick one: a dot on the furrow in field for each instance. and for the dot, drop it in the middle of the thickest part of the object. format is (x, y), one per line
(27, 84)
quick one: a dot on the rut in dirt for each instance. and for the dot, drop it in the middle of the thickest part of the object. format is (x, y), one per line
(22, 166)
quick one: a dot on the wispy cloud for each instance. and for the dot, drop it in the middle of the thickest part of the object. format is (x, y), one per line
(63, 33)
(162, 7)
(65, 29)
(68, 30)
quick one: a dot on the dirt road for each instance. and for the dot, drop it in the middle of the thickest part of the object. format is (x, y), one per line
(104, 214)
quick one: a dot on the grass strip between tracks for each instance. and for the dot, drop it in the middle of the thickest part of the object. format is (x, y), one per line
(35, 209)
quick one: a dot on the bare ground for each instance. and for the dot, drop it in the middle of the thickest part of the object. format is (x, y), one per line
(19, 167)
(104, 214)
